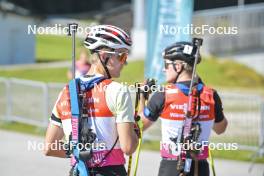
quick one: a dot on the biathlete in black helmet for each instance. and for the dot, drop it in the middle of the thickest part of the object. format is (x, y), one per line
(169, 105)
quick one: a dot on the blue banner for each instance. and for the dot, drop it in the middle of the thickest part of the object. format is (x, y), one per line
(168, 21)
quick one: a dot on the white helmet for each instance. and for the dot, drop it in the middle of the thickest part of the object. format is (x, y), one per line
(107, 36)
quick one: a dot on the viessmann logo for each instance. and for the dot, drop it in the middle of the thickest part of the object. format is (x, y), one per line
(179, 106)
(184, 107)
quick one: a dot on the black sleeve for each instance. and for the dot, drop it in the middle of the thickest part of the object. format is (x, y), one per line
(219, 114)
(155, 106)
(54, 118)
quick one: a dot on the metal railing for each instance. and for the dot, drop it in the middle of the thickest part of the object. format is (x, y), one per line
(245, 114)
(31, 102)
(249, 21)
(27, 101)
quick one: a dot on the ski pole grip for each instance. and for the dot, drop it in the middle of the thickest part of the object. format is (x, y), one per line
(197, 42)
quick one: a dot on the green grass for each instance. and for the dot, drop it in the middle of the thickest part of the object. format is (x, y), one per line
(133, 72)
(46, 75)
(22, 128)
(130, 74)
(50, 48)
(214, 72)
(227, 73)
(241, 155)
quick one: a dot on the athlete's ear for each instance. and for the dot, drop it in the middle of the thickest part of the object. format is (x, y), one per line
(178, 67)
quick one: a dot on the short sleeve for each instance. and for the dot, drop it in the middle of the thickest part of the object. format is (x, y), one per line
(219, 114)
(62, 108)
(155, 106)
(119, 102)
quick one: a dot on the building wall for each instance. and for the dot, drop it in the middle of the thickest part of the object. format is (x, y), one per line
(17, 47)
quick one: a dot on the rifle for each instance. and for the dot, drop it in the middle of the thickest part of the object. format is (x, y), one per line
(190, 131)
(80, 167)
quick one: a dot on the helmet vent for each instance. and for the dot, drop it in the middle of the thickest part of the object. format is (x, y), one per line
(90, 40)
(109, 38)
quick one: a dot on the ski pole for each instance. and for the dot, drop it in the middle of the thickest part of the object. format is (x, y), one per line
(140, 125)
(135, 116)
(146, 89)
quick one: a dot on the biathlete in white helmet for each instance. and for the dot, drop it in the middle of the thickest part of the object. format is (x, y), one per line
(109, 110)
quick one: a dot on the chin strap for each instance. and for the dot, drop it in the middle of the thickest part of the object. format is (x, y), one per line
(104, 65)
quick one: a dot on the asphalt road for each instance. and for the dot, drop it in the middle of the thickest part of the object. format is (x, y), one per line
(18, 158)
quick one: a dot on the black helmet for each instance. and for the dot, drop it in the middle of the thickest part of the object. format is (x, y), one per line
(184, 51)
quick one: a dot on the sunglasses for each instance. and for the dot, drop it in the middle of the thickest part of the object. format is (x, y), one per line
(122, 56)
(166, 64)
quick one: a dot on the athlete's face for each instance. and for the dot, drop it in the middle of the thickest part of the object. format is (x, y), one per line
(117, 61)
(169, 69)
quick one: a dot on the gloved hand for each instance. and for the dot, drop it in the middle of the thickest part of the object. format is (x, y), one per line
(148, 87)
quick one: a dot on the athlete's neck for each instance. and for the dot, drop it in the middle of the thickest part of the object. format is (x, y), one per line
(95, 70)
(184, 77)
